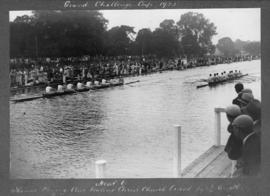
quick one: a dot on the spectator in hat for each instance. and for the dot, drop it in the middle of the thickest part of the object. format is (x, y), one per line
(247, 90)
(251, 151)
(253, 109)
(246, 98)
(233, 146)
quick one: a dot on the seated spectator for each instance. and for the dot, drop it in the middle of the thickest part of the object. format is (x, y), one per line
(251, 151)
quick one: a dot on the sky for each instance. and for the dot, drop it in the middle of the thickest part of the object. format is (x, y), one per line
(243, 23)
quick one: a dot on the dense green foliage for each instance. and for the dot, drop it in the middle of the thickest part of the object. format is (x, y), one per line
(196, 32)
(118, 40)
(79, 33)
(230, 48)
(57, 33)
(253, 48)
(226, 46)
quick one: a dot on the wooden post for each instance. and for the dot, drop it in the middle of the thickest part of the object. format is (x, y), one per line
(233, 168)
(100, 168)
(217, 127)
(177, 151)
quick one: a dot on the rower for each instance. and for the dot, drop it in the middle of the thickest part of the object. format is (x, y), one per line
(79, 85)
(96, 82)
(60, 88)
(235, 73)
(213, 78)
(217, 78)
(111, 81)
(210, 78)
(88, 84)
(103, 81)
(230, 75)
(223, 76)
(240, 72)
(70, 86)
(49, 89)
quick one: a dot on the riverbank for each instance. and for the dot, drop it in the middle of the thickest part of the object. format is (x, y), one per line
(31, 73)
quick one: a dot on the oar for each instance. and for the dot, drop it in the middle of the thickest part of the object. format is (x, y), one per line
(132, 82)
(27, 99)
(203, 85)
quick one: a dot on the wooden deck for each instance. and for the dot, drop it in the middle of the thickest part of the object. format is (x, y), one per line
(214, 163)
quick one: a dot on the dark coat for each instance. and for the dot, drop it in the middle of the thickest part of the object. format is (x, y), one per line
(257, 127)
(251, 154)
(233, 146)
(239, 101)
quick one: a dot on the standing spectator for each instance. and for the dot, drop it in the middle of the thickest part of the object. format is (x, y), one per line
(246, 98)
(251, 151)
(12, 76)
(234, 145)
(20, 78)
(253, 109)
(25, 77)
(238, 88)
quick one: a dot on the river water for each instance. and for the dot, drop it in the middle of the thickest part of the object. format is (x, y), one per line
(131, 127)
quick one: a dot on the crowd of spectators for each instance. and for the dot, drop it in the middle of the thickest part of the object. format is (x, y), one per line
(28, 72)
(244, 143)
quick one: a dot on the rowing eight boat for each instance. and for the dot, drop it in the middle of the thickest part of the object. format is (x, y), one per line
(220, 81)
(71, 91)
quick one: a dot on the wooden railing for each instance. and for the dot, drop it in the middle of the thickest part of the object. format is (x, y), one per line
(217, 129)
(177, 168)
(177, 153)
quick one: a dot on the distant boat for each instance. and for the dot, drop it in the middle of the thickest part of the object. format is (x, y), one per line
(214, 83)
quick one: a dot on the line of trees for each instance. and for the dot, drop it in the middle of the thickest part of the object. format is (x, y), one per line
(229, 48)
(79, 33)
(73, 33)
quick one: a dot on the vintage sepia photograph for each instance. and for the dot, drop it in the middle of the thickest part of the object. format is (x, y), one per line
(150, 93)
